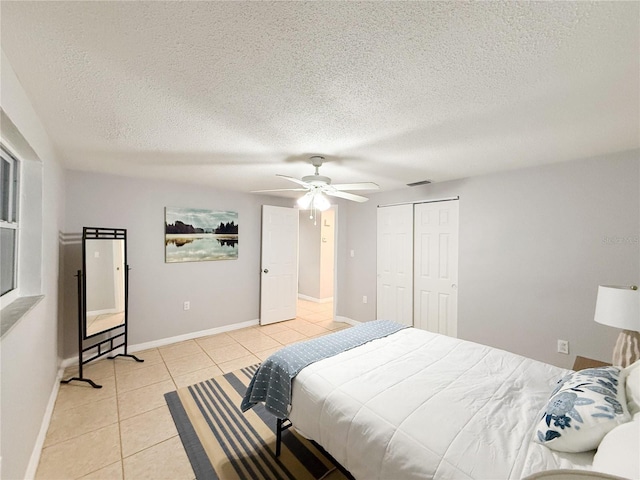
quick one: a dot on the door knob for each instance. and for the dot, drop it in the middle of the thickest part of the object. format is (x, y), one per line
(266, 270)
(454, 286)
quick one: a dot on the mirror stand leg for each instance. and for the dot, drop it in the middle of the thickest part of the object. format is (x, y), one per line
(89, 381)
(126, 355)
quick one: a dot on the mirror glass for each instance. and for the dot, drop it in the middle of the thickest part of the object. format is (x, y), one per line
(104, 262)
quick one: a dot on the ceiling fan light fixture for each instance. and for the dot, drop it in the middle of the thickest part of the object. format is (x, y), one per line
(320, 202)
(304, 201)
(317, 188)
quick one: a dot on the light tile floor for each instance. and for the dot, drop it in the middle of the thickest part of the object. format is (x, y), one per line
(124, 430)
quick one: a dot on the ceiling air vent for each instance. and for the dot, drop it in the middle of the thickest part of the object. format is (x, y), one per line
(415, 184)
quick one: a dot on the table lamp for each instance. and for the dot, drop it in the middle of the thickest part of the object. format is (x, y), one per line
(619, 306)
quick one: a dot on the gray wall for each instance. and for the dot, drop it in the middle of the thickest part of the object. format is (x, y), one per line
(309, 256)
(534, 246)
(221, 292)
(29, 355)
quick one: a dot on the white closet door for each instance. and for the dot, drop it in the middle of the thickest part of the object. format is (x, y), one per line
(436, 267)
(395, 264)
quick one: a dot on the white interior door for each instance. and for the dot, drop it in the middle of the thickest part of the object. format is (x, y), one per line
(395, 263)
(279, 285)
(436, 267)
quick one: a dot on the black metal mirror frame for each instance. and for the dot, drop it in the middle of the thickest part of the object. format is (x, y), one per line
(107, 345)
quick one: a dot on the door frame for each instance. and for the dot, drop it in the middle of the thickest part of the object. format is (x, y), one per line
(336, 255)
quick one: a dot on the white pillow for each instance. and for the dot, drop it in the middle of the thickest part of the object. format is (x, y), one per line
(632, 382)
(618, 451)
(582, 409)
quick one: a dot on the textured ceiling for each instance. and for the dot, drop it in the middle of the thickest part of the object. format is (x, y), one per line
(230, 93)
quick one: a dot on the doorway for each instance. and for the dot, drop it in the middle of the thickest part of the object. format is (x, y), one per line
(316, 262)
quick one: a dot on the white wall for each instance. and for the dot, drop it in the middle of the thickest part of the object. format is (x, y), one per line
(29, 352)
(221, 292)
(534, 246)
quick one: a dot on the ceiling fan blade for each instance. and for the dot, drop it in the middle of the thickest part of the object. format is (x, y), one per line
(281, 190)
(356, 186)
(295, 180)
(347, 196)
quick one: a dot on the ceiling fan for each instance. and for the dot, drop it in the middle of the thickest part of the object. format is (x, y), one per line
(317, 186)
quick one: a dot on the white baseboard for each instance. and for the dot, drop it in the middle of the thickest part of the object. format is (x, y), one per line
(191, 336)
(168, 341)
(44, 427)
(348, 320)
(316, 300)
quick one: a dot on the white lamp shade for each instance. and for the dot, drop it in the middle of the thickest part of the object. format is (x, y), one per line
(321, 202)
(305, 200)
(618, 307)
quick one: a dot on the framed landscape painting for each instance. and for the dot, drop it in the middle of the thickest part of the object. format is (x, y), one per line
(198, 235)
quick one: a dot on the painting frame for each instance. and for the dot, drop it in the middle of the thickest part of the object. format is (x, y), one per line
(200, 235)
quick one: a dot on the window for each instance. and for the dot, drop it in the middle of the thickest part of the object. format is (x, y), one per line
(9, 169)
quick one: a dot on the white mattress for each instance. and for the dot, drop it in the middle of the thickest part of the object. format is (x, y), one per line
(420, 405)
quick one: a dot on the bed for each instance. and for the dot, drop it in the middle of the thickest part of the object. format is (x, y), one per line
(413, 404)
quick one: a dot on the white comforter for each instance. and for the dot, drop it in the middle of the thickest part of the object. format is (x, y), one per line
(420, 405)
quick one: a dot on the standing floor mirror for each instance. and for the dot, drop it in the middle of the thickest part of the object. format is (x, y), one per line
(103, 293)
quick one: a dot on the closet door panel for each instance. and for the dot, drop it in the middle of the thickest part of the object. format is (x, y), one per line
(436, 267)
(395, 264)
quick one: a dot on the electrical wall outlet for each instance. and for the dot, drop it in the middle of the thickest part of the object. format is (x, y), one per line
(364, 299)
(563, 346)
(186, 305)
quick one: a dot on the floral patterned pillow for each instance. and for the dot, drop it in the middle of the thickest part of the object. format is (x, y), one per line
(582, 409)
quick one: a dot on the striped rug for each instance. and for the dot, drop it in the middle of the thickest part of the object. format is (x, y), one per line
(224, 443)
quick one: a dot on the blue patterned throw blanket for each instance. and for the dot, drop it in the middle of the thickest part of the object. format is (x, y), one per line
(271, 384)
